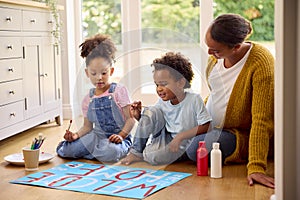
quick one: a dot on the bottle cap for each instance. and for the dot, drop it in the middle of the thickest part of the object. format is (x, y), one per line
(216, 145)
(201, 144)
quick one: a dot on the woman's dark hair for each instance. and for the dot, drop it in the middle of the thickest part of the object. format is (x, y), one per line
(178, 66)
(230, 29)
(98, 46)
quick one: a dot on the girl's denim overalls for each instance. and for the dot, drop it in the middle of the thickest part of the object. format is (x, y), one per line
(104, 113)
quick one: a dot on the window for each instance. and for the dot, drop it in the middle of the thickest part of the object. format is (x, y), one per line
(104, 16)
(259, 13)
(169, 26)
(143, 30)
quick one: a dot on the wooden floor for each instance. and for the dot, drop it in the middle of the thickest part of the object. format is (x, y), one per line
(232, 186)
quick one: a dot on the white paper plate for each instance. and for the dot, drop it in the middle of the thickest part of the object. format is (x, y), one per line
(17, 158)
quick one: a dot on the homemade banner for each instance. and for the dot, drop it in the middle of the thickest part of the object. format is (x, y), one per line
(103, 179)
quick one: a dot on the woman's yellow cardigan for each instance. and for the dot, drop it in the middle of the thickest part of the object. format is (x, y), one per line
(250, 109)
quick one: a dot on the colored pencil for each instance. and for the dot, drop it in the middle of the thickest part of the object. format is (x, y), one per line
(42, 141)
(32, 144)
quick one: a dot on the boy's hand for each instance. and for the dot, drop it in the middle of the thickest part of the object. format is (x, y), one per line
(135, 109)
(174, 144)
(70, 137)
(115, 138)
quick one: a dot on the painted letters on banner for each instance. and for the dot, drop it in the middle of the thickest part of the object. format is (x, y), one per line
(103, 179)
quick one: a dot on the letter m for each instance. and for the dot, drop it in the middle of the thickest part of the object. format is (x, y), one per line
(142, 186)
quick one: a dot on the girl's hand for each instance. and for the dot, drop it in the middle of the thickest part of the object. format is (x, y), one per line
(115, 138)
(135, 109)
(70, 137)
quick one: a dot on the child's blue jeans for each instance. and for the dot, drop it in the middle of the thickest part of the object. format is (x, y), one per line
(151, 140)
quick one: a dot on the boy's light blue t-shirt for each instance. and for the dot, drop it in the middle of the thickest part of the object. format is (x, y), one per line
(186, 115)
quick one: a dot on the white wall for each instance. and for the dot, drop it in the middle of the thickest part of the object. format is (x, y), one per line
(71, 62)
(206, 17)
(298, 103)
(287, 96)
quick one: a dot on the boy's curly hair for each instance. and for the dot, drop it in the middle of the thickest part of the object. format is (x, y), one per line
(98, 46)
(178, 65)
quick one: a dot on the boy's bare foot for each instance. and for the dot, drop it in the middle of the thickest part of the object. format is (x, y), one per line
(130, 158)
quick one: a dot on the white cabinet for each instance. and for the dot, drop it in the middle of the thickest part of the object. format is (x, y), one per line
(50, 75)
(30, 67)
(31, 76)
(10, 69)
(10, 47)
(11, 19)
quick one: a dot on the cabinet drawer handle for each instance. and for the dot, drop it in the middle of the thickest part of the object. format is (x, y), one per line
(9, 47)
(11, 69)
(11, 92)
(12, 114)
(50, 22)
(8, 19)
(33, 20)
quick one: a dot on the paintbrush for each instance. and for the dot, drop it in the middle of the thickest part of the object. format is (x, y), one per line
(70, 125)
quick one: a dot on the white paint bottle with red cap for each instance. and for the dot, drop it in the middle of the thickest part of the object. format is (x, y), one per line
(216, 161)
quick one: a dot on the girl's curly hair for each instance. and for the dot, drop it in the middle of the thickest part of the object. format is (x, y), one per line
(178, 65)
(98, 46)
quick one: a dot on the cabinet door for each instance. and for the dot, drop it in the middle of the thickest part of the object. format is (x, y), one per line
(31, 78)
(48, 75)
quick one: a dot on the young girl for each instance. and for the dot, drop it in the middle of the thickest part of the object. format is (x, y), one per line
(107, 123)
(176, 118)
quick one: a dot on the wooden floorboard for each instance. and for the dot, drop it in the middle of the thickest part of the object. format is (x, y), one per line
(233, 185)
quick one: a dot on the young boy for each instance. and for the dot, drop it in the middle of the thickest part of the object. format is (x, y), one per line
(175, 119)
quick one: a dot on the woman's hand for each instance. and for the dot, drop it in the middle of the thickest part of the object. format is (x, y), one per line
(70, 137)
(261, 179)
(135, 110)
(115, 138)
